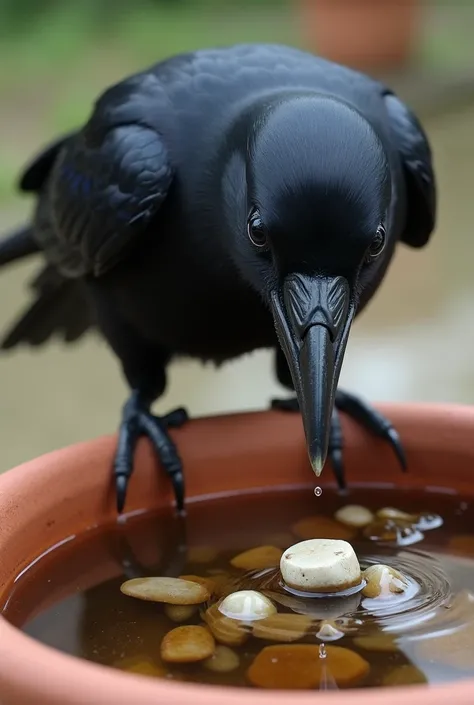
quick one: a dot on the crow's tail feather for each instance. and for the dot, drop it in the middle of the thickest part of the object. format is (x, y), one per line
(60, 308)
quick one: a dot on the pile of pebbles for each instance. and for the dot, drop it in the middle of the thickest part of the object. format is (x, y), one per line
(313, 567)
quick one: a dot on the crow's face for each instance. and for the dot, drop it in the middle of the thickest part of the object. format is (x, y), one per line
(318, 194)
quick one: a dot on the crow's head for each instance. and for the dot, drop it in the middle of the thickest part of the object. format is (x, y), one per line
(316, 195)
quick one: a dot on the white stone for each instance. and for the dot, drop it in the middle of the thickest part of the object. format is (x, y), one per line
(320, 565)
(246, 606)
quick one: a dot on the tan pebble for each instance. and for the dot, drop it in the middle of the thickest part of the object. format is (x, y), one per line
(173, 591)
(284, 627)
(322, 528)
(405, 675)
(384, 643)
(354, 515)
(202, 554)
(187, 644)
(383, 581)
(246, 606)
(223, 660)
(320, 565)
(225, 630)
(257, 558)
(223, 584)
(397, 530)
(142, 666)
(396, 514)
(299, 667)
(208, 582)
(328, 631)
(180, 613)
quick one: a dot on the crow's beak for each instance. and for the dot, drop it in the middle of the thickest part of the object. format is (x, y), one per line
(313, 316)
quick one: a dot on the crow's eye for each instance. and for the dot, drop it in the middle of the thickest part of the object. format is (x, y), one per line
(377, 245)
(256, 230)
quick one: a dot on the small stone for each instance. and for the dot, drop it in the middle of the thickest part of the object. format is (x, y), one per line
(383, 581)
(384, 643)
(320, 565)
(142, 666)
(173, 591)
(328, 631)
(208, 582)
(202, 554)
(396, 514)
(284, 627)
(223, 660)
(299, 667)
(180, 613)
(354, 515)
(318, 527)
(405, 675)
(427, 521)
(187, 644)
(390, 530)
(226, 631)
(246, 606)
(258, 558)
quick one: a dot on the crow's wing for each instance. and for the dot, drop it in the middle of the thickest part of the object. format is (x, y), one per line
(412, 144)
(109, 182)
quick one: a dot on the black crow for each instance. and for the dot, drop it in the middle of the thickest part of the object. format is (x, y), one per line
(219, 202)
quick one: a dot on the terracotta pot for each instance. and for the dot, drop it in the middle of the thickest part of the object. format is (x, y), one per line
(67, 492)
(368, 35)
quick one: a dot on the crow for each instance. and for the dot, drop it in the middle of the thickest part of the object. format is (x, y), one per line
(222, 201)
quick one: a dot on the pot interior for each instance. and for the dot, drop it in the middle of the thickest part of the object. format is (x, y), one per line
(76, 579)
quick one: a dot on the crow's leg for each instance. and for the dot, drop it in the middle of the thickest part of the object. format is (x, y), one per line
(137, 420)
(144, 367)
(361, 412)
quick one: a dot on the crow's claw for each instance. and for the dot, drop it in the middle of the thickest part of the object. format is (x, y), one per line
(138, 421)
(373, 421)
(361, 412)
(335, 446)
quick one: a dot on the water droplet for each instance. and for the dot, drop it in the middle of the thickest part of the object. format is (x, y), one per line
(322, 651)
(318, 491)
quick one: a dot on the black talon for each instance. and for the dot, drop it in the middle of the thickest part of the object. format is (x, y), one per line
(121, 483)
(176, 418)
(291, 404)
(393, 438)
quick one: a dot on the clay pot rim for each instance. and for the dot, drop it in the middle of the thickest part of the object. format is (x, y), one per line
(85, 677)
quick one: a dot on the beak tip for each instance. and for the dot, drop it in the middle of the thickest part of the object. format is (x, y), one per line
(317, 463)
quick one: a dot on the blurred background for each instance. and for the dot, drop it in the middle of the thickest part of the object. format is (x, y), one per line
(416, 340)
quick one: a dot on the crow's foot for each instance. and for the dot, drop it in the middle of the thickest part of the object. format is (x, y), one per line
(137, 420)
(365, 415)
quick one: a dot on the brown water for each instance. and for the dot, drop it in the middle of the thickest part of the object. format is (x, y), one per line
(70, 598)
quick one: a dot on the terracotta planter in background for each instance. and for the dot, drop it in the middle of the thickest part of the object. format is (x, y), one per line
(67, 492)
(368, 35)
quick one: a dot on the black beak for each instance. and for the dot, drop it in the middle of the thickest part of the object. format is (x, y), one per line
(313, 316)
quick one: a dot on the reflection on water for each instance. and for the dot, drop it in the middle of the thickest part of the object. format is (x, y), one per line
(415, 342)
